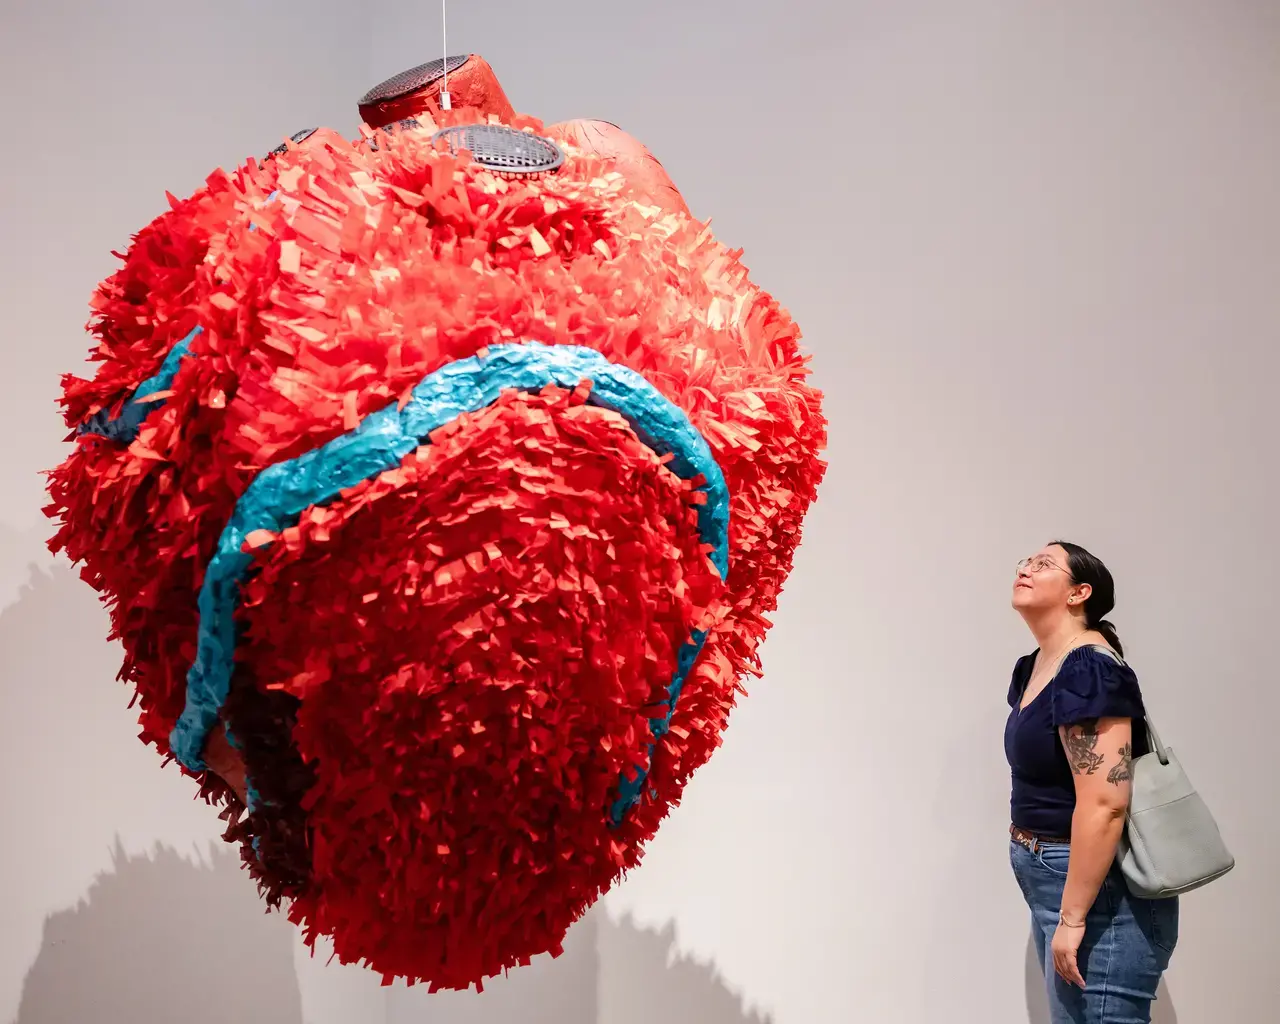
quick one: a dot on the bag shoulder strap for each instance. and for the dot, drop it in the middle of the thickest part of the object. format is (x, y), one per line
(1151, 729)
(1104, 649)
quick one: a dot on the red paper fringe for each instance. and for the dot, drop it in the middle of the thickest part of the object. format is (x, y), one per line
(469, 644)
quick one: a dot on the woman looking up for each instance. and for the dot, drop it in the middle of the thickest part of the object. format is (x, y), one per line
(1076, 722)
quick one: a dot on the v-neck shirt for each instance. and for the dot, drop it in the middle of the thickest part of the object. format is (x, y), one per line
(1089, 685)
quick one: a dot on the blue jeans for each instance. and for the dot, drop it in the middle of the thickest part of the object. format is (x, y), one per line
(1126, 947)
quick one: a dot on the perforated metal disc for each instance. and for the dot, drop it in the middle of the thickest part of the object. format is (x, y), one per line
(411, 81)
(403, 125)
(295, 138)
(503, 149)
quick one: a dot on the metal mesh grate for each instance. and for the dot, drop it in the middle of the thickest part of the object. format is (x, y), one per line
(295, 138)
(410, 81)
(503, 149)
(403, 125)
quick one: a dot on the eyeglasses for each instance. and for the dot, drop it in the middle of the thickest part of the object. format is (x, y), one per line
(1039, 564)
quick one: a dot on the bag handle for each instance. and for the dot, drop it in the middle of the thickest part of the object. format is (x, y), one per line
(1151, 729)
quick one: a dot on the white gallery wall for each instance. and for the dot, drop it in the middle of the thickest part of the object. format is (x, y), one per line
(1034, 250)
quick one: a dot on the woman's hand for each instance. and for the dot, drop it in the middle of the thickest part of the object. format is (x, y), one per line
(1066, 948)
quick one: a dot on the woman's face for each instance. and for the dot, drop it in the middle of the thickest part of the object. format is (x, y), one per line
(1043, 582)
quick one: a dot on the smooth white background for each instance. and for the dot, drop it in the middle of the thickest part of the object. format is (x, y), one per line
(1034, 249)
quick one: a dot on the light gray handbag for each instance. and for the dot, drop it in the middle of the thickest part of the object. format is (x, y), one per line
(1171, 844)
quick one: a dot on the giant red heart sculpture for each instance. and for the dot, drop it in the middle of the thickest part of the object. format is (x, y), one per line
(439, 484)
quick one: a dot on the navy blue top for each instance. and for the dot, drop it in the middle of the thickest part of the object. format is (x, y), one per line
(1088, 685)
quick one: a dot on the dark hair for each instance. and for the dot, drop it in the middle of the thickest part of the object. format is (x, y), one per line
(1088, 568)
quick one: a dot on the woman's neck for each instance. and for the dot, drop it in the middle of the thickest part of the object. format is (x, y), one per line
(1056, 632)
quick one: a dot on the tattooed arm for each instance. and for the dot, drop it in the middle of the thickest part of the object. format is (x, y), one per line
(1100, 753)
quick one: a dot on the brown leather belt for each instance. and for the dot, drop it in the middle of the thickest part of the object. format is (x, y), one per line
(1033, 840)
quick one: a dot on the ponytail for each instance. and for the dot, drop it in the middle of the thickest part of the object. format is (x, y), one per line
(1088, 568)
(1109, 633)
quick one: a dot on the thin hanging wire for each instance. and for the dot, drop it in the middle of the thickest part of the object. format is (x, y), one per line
(445, 103)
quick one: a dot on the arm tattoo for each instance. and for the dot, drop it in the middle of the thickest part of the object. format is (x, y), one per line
(1121, 773)
(1080, 743)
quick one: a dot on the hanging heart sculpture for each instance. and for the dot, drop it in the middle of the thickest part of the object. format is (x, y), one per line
(439, 484)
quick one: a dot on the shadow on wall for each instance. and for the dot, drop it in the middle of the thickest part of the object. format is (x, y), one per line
(644, 978)
(161, 938)
(1162, 1012)
(73, 776)
(550, 990)
(609, 973)
(21, 552)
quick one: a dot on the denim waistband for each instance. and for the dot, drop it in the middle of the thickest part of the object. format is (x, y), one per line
(1034, 840)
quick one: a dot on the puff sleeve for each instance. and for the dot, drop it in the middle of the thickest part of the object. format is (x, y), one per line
(1090, 685)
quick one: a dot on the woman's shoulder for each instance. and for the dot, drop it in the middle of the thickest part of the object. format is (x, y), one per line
(1094, 681)
(1096, 656)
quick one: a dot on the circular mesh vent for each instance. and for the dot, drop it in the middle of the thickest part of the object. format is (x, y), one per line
(412, 80)
(503, 149)
(403, 125)
(295, 138)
